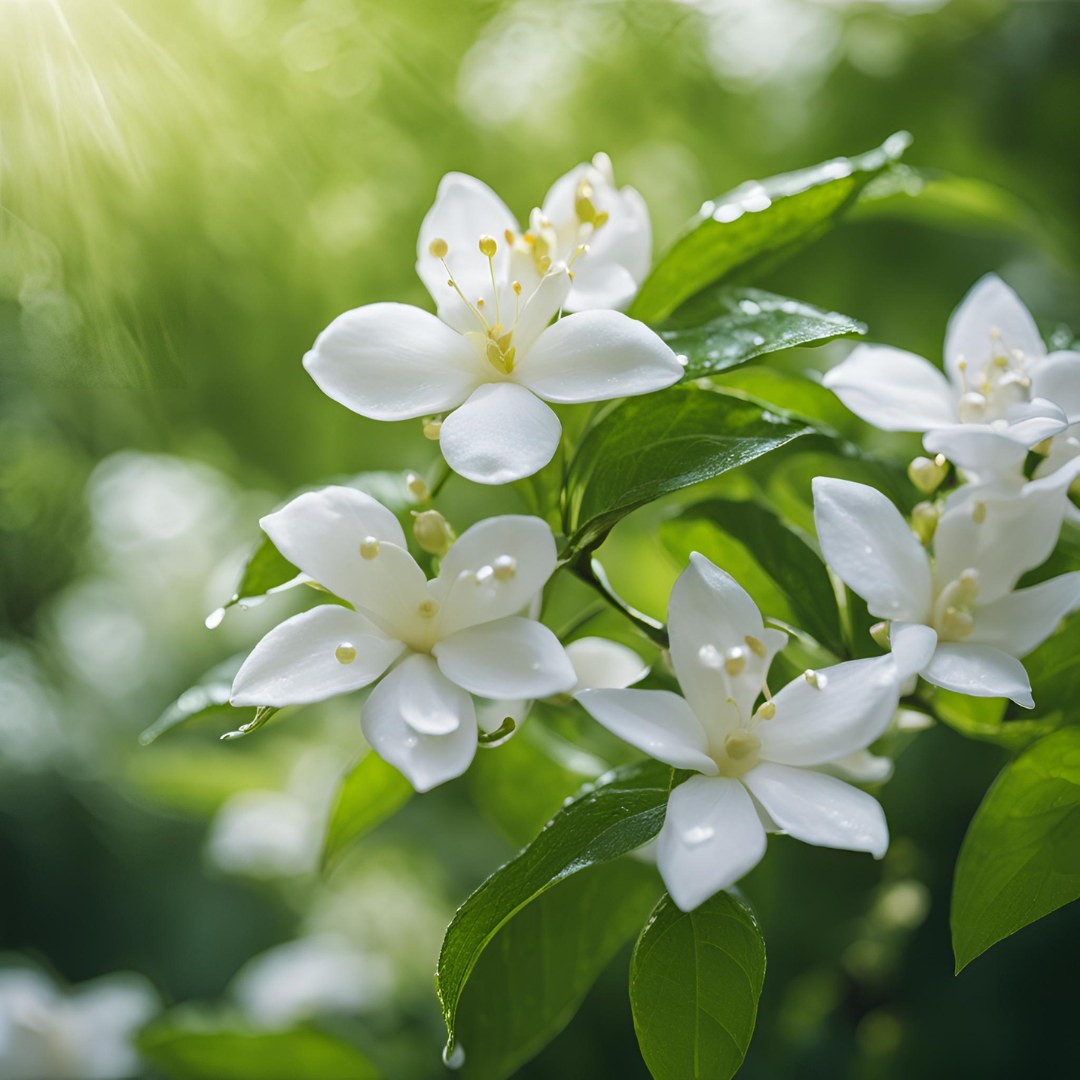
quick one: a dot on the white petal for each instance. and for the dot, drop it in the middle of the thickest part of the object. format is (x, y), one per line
(595, 356)
(541, 307)
(852, 708)
(820, 809)
(601, 664)
(861, 767)
(1064, 449)
(393, 362)
(464, 210)
(710, 611)
(1021, 621)
(1001, 534)
(508, 658)
(893, 390)
(711, 837)
(980, 671)
(491, 715)
(1030, 422)
(468, 589)
(502, 433)
(297, 663)
(321, 533)
(600, 286)
(866, 540)
(417, 694)
(977, 448)
(990, 306)
(912, 647)
(1057, 379)
(657, 722)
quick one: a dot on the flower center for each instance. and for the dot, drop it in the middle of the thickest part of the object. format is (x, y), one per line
(954, 617)
(1000, 382)
(545, 243)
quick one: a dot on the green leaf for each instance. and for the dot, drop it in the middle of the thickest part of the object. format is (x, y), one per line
(984, 719)
(368, 795)
(726, 326)
(209, 695)
(526, 988)
(786, 556)
(795, 394)
(1054, 672)
(202, 1049)
(645, 447)
(1021, 856)
(620, 813)
(695, 980)
(760, 223)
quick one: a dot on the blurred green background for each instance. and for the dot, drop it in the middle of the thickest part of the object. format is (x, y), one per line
(188, 194)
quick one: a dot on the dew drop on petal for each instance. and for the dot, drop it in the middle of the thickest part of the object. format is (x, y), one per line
(699, 834)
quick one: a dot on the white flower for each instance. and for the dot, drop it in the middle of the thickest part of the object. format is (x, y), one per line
(982, 547)
(444, 639)
(490, 359)
(759, 770)
(47, 1033)
(1002, 395)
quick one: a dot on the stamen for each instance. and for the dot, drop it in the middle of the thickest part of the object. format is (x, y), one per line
(962, 366)
(441, 245)
(439, 248)
(735, 660)
(816, 679)
(741, 744)
(978, 513)
(433, 428)
(428, 609)
(927, 474)
(957, 624)
(757, 646)
(509, 237)
(582, 248)
(767, 710)
(485, 573)
(417, 486)
(968, 586)
(488, 247)
(369, 547)
(345, 653)
(924, 519)
(505, 567)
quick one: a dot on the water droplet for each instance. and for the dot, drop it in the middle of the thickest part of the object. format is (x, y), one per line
(699, 834)
(213, 620)
(453, 1059)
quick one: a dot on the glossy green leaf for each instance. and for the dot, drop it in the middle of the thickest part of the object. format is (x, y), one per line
(984, 719)
(527, 986)
(370, 793)
(208, 696)
(620, 813)
(645, 447)
(760, 223)
(726, 326)
(1021, 856)
(202, 1049)
(785, 555)
(1055, 673)
(695, 980)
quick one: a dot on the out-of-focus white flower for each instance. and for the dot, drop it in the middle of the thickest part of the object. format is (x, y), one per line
(440, 641)
(86, 1033)
(310, 977)
(1002, 395)
(264, 834)
(968, 595)
(490, 359)
(759, 769)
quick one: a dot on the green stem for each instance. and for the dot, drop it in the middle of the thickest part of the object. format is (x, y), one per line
(592, 573)
(597, 607)
(441, 476)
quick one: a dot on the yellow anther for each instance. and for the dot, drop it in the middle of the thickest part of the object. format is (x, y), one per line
(741, 744)
(757, 646)
(439, 248)
(417, 486)
(978, 513)
(479, 301)
(433, 532)
(345, 653)
(968, 586)
(767, 710)
(584, 209)
(516, 286)
(369, 547)
(1043, 448)
(488, 247)
(433, 429)
(735, 661)
(880, 633)
(815, 679)
(509, 237)
(927, 474)
(940, 461)
(428, 609)
(600, 219)
(957, 624)
(924, 519)
(505, 567)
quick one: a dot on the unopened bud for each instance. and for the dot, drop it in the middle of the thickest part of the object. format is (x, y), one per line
(924, 519)
(417, 486)
(433, 532)
(926, 473)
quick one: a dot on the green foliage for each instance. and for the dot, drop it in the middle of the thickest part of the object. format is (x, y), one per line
(1021, 855)
(527, 986)
(759, 224)
(369, 793)
(786, 557)
(695, 980)
(645, 447)
(623, 811)
(267, 569)
(208, 696)
(1055, 673)
(984, 719)
(197, 1049)
(724, 327)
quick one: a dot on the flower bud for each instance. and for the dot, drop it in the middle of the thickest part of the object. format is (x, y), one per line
(433, 532)
(417, 486)
(924, 519)
(927, 474)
